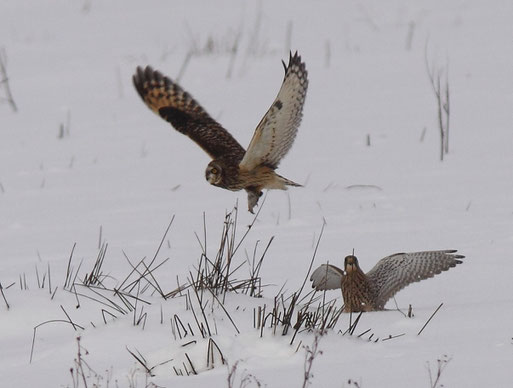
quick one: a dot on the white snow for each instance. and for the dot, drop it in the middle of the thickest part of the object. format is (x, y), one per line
(124, 170)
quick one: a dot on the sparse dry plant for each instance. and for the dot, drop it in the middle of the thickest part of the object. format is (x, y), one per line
(439, 79)
(227, 44)
(311, 353)
(434, 376)
(4, 80)
(64, 127)
(84, 376)
(353, 383)
(218, 274)
(245, 380)
(3, 297)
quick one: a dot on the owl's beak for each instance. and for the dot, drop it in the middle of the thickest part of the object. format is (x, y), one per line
(213, 179)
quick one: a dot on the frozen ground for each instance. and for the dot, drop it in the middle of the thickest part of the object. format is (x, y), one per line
(122, 169)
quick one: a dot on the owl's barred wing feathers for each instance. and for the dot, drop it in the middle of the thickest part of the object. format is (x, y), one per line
(393, 273)
(173, 104)
(277, 130)
(327, 277)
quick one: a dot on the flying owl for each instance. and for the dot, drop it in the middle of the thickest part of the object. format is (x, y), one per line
(232, 167)
(371, 291)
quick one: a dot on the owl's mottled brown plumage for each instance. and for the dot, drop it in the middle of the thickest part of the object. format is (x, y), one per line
(371, 291)
(232, 167)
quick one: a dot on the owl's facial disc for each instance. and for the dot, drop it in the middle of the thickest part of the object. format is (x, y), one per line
(213, 174)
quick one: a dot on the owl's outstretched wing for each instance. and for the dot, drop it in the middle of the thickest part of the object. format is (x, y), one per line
(277, 130)
(395, 272)
(327, 277)
(175, 105)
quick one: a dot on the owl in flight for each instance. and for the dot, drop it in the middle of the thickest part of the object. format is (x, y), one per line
(232, 167)
(371, 291)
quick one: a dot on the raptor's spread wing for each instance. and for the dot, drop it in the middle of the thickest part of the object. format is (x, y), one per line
(277, 130)
(327, 277)
(395, 272)
(175, 105)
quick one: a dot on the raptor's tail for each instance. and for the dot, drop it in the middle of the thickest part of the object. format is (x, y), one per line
(287, 182)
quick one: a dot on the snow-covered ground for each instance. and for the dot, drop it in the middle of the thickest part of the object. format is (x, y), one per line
(120, 169)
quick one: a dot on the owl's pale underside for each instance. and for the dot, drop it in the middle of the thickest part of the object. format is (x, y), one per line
(232, 167)
(371, 291)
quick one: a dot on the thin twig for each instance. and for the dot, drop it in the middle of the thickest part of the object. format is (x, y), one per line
(44, 323)
(5, 79)
(3, 296)
(431, 317)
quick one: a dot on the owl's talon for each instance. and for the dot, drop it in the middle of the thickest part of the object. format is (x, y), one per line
(253, 197)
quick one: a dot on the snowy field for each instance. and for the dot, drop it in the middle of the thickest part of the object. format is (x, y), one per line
(83, 163)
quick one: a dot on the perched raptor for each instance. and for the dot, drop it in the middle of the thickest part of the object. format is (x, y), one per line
(371, 291)
(232, 167)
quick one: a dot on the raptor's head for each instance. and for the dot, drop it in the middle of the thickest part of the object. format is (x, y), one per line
(350, 264)
(214, 173)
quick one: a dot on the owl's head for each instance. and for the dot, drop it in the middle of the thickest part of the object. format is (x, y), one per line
(214, 173)
(350, 263)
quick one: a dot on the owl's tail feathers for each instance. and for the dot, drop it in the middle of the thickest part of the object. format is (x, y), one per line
(286, 182)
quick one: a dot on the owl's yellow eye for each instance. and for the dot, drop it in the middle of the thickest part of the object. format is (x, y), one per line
(214, 170)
